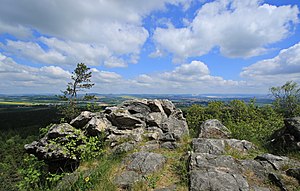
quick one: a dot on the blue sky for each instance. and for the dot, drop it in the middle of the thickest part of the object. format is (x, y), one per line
(158, 46)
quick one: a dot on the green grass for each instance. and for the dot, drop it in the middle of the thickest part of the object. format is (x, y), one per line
(95, 175)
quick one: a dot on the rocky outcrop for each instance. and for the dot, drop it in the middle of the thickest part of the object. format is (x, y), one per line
(288, 137)
(212, 168)
(55, 147)
(156, 119)
(122, 126)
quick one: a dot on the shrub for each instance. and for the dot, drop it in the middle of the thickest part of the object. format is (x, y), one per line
(245, 121)
(287, 99)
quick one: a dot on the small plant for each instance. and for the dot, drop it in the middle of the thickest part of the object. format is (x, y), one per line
(139, 185)
(34, 175)
(152, 180)
(44, 130)
(180, 168)
(93, 148)
(53, 179)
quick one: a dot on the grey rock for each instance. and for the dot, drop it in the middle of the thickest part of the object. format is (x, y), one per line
(125, 121)
(294, 172)
(219, 146)
(176, 125)
(207, 162)
(215, 180)
(240, 145)
(51, 146)
(30, 148)
(156, 119)
(96, 126)
(168, 107)
(170, 145)
(293, 124)
(81, 120)
(177, 113)
(155, 106)
(136, 106)
(60, 130)
(153, 133)
(259, 168)
(124, 147)
(167, 137)
(145, 162)
(288, 137)
(276, 161)
(53, 150)
(120, 136)
(131, 121)
(213, 128)
(211, 146)
(61, 133)
(277, 181)
(127, 179)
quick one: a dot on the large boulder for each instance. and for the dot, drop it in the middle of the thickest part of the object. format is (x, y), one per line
(51, 145)
(81, 120)
(97, 125)
(55, 148)
(213, 128)
(288, 137)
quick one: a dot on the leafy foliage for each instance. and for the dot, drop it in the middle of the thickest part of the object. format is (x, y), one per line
(287, 99)
(34, 175)
(246, 121)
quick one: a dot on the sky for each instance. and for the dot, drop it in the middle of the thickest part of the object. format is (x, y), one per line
(150, 47)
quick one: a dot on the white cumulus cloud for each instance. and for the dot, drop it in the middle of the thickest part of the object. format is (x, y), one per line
(238, 28)
(99, 30)
(285, 66)
(192, 78)
(17, 78)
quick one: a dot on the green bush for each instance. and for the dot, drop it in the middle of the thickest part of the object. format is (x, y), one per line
(245, 121)
(287, 99)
